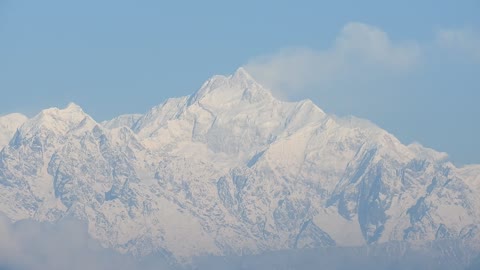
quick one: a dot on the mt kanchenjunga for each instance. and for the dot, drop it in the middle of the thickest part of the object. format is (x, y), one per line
(232, 170)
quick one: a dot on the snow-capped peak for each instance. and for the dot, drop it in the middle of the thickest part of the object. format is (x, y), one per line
(241, 75)
(239, 87)
(58, 120)
(12, 121)
(72, 107)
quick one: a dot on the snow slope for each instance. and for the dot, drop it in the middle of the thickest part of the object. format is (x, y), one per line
(8, 126)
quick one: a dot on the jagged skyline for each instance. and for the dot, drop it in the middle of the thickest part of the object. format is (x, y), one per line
(415, 78)
(234, 170)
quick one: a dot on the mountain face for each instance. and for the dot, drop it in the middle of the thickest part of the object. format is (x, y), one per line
(231, 170)
(8, 125)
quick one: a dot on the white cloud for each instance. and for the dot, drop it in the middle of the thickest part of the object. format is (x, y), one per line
(464, 40)
(373, 45)
(358, 50)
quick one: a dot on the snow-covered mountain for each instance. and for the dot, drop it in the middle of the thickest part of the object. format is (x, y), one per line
(231, 170)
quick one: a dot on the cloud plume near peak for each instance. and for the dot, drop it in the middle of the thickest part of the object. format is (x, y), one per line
(359, 49)
(389, 80)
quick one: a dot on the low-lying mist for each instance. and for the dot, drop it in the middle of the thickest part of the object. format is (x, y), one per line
(32, 245)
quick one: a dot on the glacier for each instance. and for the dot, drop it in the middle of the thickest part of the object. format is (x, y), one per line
(230, 170)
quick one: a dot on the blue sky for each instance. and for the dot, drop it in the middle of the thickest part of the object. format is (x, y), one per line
(411, 67)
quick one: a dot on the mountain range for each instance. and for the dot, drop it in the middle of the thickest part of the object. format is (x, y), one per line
(231, 170)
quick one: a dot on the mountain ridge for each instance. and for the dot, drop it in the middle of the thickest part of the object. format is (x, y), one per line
(231, 170)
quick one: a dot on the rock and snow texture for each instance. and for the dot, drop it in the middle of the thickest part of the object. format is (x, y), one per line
(8, 126)
(126, 120)
(232, 170)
